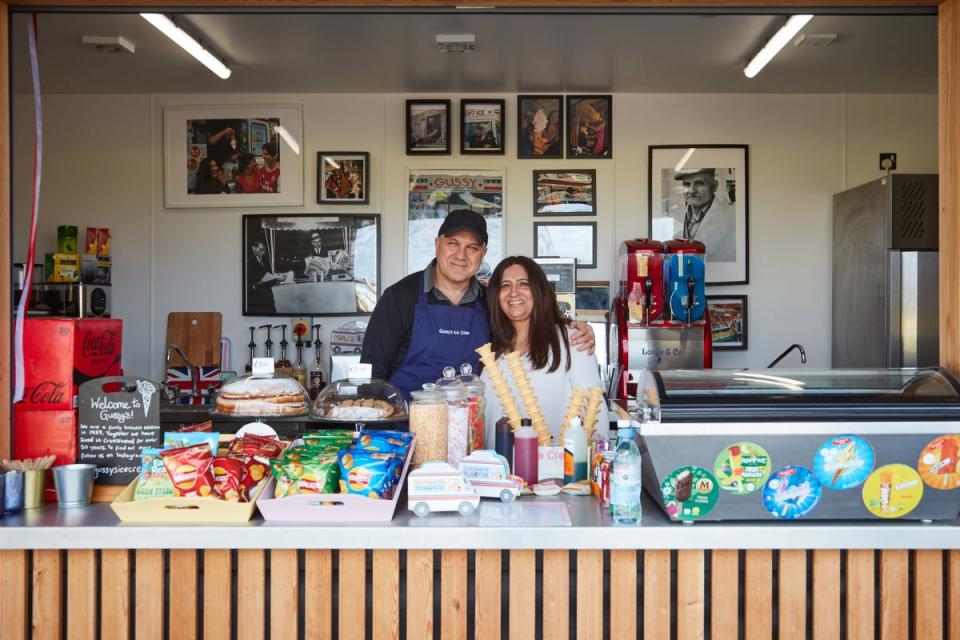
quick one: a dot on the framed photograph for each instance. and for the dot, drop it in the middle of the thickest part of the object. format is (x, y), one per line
(428, 127)
(566, 240)
(593, 300)
(539, 127)
(561, 273)
(564, 193)
(699, 192)
(433, 193)
(310, 264)
(728, 322)
(482, 127)
(233, 156)
(343, 177)
(590, 126)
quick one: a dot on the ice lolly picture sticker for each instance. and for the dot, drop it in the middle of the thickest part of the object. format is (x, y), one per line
(939, 463)
(892, 491)
(742, 468)
(843, 462)
(791, 493)
(689, 493)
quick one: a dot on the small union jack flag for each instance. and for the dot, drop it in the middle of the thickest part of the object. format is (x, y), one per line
(179, 378)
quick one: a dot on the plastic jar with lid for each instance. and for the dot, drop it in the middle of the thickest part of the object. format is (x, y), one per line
(428, 420)
(458, 415)
(478, 406)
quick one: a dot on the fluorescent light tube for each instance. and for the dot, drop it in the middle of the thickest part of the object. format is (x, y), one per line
(191, 46)
(777, 42)
(289, 139)
(684, 159)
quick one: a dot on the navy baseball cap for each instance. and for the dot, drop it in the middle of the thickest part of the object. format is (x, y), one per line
(465, 220)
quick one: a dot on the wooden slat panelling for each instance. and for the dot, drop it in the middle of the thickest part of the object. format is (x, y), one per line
(487, 573)
(894, 598)
(523, 593)
(317, 587)
(182, 619)
(724, 599)
(46, 594)
(656, 595)
(352, 582)
(251, 600)
(758, 594)
(14, 588)
(690, 604)
(948, 95)
(148, 594)
(826, 594)
(453, 594)
(386, 594)
(420, 594)
(623, 594)
(860, 594)
(793, 594)
(953, 596)
(589, 594)
(284, 593)
(115, 592)
(928, 594)
(556, 593)
(217, 569)
(82, 594)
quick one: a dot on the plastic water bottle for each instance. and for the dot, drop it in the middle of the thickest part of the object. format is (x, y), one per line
(575, 452)
(625, 482)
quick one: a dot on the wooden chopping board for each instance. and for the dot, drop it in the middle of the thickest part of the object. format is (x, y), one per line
(198, 334)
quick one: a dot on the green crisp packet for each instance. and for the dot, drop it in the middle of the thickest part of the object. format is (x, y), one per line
(154, 481)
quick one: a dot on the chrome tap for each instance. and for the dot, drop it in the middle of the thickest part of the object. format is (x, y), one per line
(798, 347)
(192, 368)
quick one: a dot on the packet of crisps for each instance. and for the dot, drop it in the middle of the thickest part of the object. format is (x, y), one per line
(153, 481)
(384, 441)
(227, 476)
(338, 439)
(181, 439)
(190, 470)
(367, 473)
(255, 452)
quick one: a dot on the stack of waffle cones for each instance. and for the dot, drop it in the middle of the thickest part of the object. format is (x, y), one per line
(510, 409)
(574, 407)
(592, 411)
(520, 378)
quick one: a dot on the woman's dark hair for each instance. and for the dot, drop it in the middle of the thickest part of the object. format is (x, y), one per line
(203, 170)
(244, 161)
(547, 327)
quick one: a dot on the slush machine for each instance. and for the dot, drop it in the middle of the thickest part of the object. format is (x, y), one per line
(659, 318)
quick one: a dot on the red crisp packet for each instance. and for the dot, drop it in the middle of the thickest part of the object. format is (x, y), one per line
(190, 470)
(205, 427)
(227, 478)
(256, 453)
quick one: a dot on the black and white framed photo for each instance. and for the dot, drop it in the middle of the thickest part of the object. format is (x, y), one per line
(539, 127)
(590, 126)
(565, 192)
(728, 322)
(699, 192)
(428, 127)
(566, 240)
(310, 264)
(482, 127)
(343, 177)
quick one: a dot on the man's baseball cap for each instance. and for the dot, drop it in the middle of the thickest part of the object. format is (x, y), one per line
(465, 220)
(680, 175)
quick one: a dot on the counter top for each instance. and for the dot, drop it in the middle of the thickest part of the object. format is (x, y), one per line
(97, 527)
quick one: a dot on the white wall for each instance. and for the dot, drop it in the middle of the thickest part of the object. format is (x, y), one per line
(103, 168)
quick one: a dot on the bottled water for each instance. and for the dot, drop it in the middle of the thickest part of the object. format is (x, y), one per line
(625, 483)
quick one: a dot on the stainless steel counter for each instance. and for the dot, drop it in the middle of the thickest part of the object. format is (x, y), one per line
(96, 527)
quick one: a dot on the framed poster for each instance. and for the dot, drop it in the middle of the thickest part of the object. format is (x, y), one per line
(566, 240)
(700, 193)
(590, 126)
(428, 127)
(343, 177)
(482, 127)
(433, 193)
(593, 300)
(539, 127)
(310, 264)
(728, 322)
(564, 193)
(232, 156)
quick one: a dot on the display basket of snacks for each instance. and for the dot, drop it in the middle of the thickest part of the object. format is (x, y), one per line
(272, 395)
(186, 482)
(360, 401)
(330, 477)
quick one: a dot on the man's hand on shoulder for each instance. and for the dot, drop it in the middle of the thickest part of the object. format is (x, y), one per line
(582, 337)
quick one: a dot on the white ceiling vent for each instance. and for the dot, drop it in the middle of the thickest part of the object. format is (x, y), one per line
(814, 39)
(109, 44)
(457, 43)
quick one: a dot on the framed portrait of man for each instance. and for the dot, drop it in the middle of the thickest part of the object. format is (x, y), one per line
(699, 193)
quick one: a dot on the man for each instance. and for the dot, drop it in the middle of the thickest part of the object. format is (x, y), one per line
(260, 280)
(319, 264)
(270, 171)
(435, 318)
(707, 217)
(476, 140)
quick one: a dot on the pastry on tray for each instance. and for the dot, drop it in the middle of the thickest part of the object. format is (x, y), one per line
(360, 400)
(262, 396)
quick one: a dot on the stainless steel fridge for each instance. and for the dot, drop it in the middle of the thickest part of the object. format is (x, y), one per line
(886, 274)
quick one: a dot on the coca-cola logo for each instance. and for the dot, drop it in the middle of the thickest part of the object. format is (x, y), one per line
(100, 344)
(47, 392)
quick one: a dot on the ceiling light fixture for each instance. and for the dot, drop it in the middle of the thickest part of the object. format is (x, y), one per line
(109, 44)
(777, 42)
(185, 40)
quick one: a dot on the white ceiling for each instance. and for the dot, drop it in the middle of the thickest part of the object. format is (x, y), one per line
(518, 53)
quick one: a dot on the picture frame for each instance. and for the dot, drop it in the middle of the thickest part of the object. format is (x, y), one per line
(203, 143)
(728, 322)
(540, 126)
(483, 127)
(589, 127)
(343, 177)
(310, 264)
(564, 192)
(428, 127)
(593, 300)
(566, 240)
(682, 178)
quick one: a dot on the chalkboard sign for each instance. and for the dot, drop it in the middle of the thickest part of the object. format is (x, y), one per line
(115, 426)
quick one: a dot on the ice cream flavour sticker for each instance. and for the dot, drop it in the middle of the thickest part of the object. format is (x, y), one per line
(791, 493)
(843, 462)
(689, 493)
(939, 463)
(742, 468)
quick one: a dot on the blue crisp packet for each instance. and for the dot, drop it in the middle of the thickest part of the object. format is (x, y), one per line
(178, 440)
(368, 473)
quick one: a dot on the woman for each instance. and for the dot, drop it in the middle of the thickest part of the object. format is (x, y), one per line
(248, 180)
(209, 178)
(524, 317)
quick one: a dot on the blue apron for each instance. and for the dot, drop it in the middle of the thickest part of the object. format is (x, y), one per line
(443, 336)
